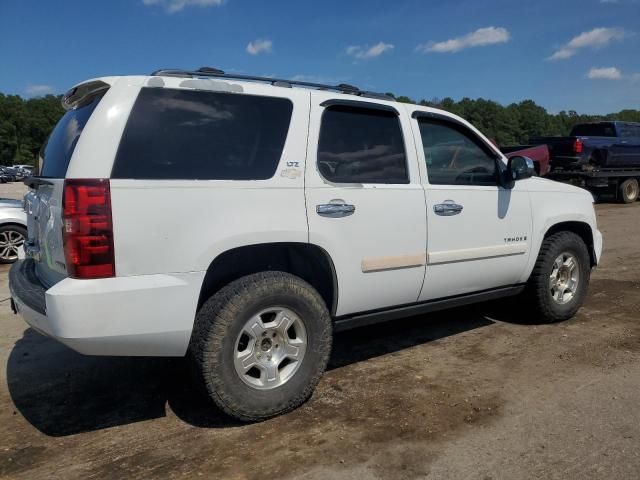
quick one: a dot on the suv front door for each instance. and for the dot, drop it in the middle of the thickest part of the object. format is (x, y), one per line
(365, 201)
(478, 233)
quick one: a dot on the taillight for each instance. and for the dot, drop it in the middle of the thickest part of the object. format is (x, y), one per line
(87, 228)
(577, 146)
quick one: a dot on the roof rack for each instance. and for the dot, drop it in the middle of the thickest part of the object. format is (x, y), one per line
(279, 82)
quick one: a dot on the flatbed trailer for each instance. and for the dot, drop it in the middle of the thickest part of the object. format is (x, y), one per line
(623, 182)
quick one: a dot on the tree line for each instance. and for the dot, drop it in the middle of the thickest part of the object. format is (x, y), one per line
(516, 123)
(26, 123)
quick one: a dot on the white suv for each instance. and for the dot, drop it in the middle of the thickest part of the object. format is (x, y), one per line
(242, 220)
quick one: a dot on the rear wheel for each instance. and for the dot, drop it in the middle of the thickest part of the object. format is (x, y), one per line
(629, 190)
(11, 239)
(261, 344)
(558, 284)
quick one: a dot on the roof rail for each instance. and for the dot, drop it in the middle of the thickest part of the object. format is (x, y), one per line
(214, 72)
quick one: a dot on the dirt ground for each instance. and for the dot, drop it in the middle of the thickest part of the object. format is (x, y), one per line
(468, 393)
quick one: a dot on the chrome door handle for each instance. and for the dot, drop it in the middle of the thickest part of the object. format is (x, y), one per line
(447, 209)
(335, 210)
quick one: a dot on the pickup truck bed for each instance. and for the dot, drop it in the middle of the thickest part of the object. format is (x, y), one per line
(599, 144)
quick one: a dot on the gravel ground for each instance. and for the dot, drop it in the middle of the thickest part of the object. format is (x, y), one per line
(468, 393)
(12, 190)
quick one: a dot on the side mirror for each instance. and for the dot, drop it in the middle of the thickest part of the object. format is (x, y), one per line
(519, 168)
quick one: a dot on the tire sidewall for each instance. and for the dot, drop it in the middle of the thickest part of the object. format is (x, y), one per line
(623, 190)
(225, 383)
(573, 245)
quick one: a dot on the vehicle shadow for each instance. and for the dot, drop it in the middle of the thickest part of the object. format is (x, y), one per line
(61, 392)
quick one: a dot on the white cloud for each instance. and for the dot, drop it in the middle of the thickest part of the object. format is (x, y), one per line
(480, 38)
(173, 6)
(364, 52)
(37, 90)
(607, 73)
(260, 46)
(596, 38)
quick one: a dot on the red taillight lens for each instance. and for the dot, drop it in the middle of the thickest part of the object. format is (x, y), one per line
(87, 228)
(577, 146)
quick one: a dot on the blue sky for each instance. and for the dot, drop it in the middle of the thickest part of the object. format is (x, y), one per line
(564, 54)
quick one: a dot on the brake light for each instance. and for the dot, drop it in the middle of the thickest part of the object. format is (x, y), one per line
(87, 228)
(577, 146)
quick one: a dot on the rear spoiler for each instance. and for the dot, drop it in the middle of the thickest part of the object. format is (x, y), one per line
(84, 93)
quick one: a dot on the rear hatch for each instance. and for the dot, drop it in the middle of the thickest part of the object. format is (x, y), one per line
(43, 202)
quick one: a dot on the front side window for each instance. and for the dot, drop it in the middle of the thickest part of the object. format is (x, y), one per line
(360, 145)
(190, 134)
(455, 156)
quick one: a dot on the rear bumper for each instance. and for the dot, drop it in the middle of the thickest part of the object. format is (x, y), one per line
(145, 315)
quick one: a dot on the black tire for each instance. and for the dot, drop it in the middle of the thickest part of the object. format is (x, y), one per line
(628, 191)
(543, 308)
(7, 232)
(220, 321)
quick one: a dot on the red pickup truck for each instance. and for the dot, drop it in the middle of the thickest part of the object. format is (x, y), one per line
(538, 153)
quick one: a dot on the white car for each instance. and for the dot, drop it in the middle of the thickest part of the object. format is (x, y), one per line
(13, 229)
(242, 220)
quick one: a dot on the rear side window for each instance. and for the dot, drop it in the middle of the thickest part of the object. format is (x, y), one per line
(361, 146)
(186, 134)
(593, 130)
(629, 131)
(55, 155)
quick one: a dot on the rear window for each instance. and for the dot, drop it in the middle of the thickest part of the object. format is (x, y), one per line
(196, 135)
(594, 130)
(55, 155)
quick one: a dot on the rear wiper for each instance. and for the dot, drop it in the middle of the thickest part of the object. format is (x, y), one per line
(33, 182)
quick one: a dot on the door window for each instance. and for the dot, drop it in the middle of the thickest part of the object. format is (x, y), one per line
(359, 145)
(455, 156)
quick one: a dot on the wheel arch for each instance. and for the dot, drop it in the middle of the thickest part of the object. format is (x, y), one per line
(307, 261)
(582, 229)
(12, 223)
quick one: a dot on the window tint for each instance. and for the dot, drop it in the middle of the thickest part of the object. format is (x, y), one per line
(361, 146)
(628, 131)
(593, 130)
(455, 156)
(55, 155)
(186, 134)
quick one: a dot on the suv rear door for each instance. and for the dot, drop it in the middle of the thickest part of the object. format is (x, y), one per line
(365, 203)
(43, 202)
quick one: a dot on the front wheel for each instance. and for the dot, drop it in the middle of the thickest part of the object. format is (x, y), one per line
(558, 284)
(261, 344)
